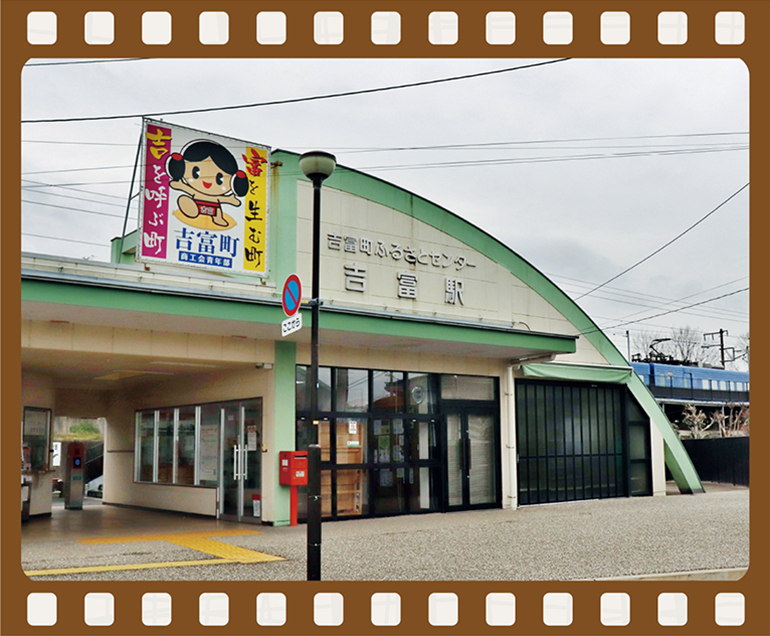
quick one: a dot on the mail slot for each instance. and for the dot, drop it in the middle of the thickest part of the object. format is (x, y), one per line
(293, 468)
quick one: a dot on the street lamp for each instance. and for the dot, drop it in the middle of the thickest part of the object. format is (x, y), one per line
(317, 166)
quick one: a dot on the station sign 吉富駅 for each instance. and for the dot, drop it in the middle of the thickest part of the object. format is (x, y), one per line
(204, 200)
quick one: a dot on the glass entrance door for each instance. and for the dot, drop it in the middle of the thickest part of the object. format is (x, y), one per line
(241, 463)
(471, 458)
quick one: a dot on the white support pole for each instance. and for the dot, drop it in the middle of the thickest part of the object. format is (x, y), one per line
(513, 480)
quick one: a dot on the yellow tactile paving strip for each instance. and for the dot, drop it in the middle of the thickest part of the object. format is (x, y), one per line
(131, 566)
(200, 541)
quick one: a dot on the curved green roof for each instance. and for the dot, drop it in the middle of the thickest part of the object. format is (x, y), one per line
(387, 194)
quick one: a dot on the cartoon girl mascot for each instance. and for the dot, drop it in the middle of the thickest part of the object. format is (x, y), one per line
(208, 176)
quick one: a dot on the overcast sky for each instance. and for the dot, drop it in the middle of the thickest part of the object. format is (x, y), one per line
(662, 143)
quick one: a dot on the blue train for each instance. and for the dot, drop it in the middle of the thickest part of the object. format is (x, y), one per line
(672, 383)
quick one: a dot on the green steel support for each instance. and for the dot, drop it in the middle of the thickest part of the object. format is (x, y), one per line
(284, 396)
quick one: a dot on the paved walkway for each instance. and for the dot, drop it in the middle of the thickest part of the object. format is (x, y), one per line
(649, 536)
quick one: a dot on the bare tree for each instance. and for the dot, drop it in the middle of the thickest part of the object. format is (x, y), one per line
(682, 345)
(687, 345)
(732, 422)
(743, 347)
(694, 423)
(643, 342)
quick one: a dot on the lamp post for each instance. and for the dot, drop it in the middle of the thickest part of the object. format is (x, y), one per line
(317, 167)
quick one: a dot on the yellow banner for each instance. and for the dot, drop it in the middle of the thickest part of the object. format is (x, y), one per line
(255, 211)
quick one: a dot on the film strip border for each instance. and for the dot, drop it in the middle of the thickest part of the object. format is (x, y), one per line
(443, 28)
(439, 609)
(393, 29)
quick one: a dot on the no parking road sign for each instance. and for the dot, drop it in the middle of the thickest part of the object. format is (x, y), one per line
(290, 300)
(292, 295)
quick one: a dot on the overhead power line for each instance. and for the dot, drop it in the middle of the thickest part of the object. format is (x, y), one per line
(40, 184)
(77, 170)
(58, 196)
(650, 302)
(660, 249)
(665, 313)
(507, 162)
(74, 62)
(66, 240)
(70, 185)
(356, 150)
(463, 163)
(671, 302)
(534, 141)
(296, 100)
(65, 207)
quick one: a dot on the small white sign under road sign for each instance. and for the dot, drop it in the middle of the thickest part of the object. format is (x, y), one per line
(290, 325)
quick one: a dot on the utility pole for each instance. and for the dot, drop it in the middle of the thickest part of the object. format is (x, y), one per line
(628, 345)
(722, 350)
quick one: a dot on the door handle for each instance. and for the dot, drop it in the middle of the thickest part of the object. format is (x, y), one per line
(468, 453)
(235, 462)
(245, 464)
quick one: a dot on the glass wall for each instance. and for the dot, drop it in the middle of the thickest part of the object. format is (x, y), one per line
(36, 439)
(181, 445)
(380, 436)
(185, 465)
(580, 441)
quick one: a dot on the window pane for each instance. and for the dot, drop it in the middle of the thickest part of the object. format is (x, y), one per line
(640, 478)
(389, 441)
(423, 440)
(325, 388)
(352, 390)
(388, 391)
(165, 446)
(36, 436)
(252, 430)
(352, 493)
(423, 490)
(185, 471)
(637, 442)
(146, 445)
(389, 490)
(467, 387)
(351, 440)
(326, 497)
(208, 470)
(421, 398)
(306, 435)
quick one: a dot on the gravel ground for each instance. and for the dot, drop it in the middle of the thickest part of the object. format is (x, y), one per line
(579, 540)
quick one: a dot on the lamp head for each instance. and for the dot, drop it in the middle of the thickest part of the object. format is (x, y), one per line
(317, 164)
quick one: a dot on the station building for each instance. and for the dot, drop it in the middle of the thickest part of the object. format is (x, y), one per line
(454, 374)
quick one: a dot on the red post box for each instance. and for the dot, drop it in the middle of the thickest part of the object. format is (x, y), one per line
(293, 468)
(292, 471)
